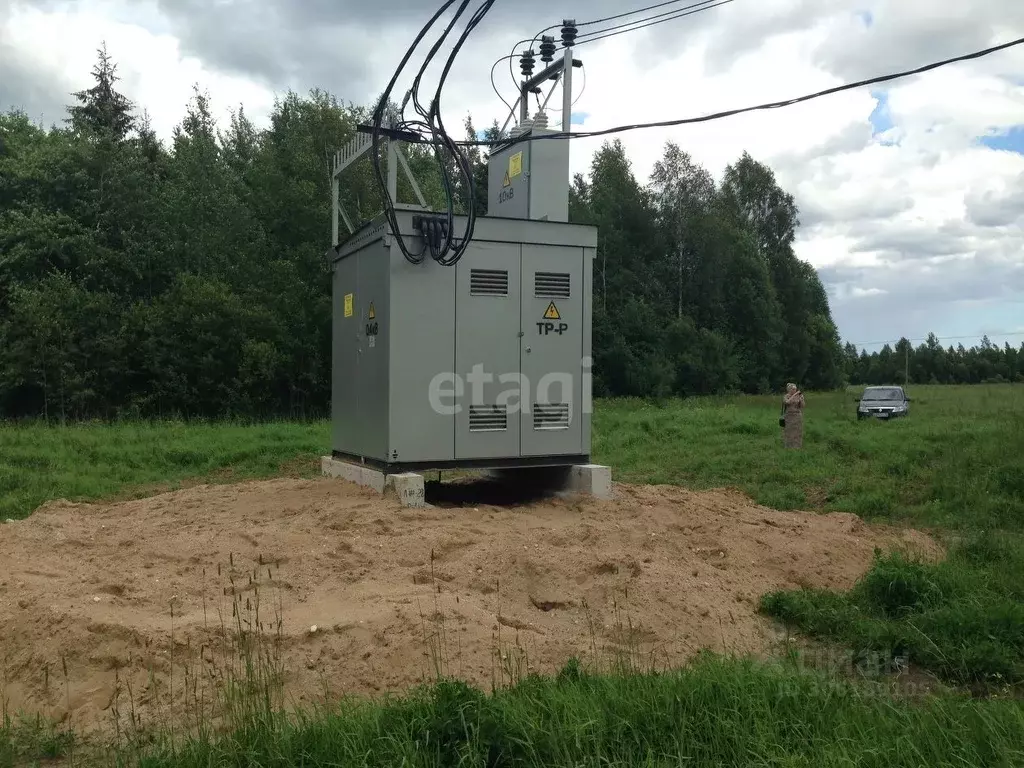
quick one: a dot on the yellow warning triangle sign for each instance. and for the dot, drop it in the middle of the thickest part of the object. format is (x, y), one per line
(552, 312)
(507, 182)
(373, 314)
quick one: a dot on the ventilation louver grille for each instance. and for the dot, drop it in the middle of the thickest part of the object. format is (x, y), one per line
(488, 282)
(551, 285)
(488, 418)
(554, 416)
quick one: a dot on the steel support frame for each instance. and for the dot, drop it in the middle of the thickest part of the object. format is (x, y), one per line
(346, 157)
(563, 69)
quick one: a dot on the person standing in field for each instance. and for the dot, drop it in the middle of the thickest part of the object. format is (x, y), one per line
(793, 413)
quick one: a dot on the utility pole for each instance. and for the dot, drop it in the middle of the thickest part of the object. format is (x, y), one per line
(679, 286)
(906, 364)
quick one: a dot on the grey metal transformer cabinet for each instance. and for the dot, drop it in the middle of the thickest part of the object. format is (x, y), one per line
(482, 364)
(529, 180)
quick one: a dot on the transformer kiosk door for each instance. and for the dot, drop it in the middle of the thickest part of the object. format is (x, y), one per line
(487, 346)
(552, 350)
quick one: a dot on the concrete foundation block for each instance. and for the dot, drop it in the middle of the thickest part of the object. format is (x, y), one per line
(354, 473)
(409, 487)
(590, 479)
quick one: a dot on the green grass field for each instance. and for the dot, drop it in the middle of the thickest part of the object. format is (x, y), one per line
(957, 461)
(955, 466)
(88, 462)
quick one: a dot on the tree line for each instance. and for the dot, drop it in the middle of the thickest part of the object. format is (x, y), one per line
(930, 363)
(189, 279)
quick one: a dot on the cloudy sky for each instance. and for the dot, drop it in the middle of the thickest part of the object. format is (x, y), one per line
(911, 194)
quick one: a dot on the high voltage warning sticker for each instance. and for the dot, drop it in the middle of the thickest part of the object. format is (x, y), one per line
(546, 327)
(507, 182)
(373, 314)
(515, 164)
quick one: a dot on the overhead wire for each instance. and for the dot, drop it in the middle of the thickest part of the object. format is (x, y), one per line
(651, 21)
(623, 15)
(494, 84)
(634, 12)
(592, 22)
(1007, 334)
(511, 57)
(759, 107)
(579, 95)
(601, 34)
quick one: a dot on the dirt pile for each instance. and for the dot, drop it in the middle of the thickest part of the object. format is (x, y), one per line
(101, 590)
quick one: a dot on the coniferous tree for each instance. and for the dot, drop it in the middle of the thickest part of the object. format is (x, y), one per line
(101, 109)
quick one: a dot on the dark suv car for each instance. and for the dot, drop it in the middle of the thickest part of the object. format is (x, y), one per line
(883, 403)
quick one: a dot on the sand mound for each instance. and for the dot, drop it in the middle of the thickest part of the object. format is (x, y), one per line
(101, 589)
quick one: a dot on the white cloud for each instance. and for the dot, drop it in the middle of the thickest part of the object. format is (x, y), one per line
(858, 292)
(61, 46)
(900, 224)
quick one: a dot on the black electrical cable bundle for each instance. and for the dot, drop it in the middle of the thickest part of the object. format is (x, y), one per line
(461, 159)
(378, 119)
(438, 239)
(438, 233)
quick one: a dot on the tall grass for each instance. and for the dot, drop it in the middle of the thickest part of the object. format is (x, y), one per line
(717, 712)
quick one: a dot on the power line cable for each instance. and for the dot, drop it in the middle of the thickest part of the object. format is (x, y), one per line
(510, 58)
(586, 36)
(604, 34)
(592, 22)
(759, 107)
(617, 16)
(494, 85)
(1008, 334)
(579, 95)
(601, 34)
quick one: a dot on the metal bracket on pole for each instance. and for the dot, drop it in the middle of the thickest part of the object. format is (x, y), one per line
(564, 67)
(359, 146)
(516, 107)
